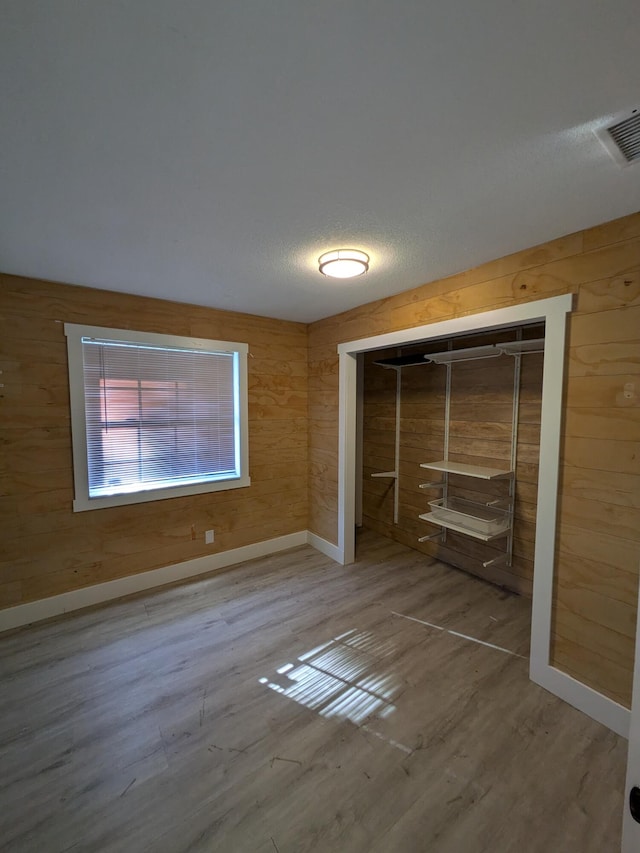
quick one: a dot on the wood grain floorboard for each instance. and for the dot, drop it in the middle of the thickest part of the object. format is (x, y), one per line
(290, 705)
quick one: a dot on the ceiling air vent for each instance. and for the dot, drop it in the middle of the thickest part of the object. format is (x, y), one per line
(622, 139)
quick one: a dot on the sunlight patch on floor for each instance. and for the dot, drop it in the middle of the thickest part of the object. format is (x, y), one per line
(344, 678)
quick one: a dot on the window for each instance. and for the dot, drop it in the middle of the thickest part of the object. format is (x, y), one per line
(155, 416)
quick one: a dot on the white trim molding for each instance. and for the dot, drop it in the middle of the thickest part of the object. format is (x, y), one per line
(56, 605)
(551, 311)
(88, 596)
(595, 705)
(324, 546)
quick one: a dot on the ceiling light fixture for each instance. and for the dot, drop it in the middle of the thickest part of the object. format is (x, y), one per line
(343, 263)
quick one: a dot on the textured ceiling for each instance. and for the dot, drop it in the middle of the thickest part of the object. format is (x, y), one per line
(209, 151)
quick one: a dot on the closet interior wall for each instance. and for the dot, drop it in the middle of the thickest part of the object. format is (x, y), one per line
(480, 434)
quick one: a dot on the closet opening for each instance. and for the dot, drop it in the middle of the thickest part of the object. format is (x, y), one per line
(448, 440)
(551, 314)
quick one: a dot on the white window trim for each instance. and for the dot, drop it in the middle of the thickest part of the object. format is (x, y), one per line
(82, 501)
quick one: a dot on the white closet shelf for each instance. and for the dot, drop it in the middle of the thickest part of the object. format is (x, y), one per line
(391, 474)
(516, 347)
(485, 519)
(468, 354)
(460, 527)
(480, 472)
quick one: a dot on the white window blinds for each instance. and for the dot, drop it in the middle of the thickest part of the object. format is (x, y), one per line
(158, 416)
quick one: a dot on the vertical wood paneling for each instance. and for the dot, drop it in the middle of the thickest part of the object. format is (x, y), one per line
(46, 548)
(601, 425)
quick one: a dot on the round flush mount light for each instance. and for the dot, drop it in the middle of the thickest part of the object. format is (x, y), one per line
(343, 263)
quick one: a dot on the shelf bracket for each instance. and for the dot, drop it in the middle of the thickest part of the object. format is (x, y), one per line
(435, 485)
(433, 536)
(501, 558)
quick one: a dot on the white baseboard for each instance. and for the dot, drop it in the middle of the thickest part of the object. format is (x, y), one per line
(56, 605)
(325, 547)
(595, 705)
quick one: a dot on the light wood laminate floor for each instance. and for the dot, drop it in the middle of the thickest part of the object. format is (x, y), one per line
(293, 705)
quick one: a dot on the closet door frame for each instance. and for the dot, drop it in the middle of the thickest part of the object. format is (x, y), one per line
(553, 312)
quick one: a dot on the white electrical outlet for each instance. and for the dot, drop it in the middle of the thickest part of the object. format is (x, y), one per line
(209, 537)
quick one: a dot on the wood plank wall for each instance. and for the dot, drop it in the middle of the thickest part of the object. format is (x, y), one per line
(480, 434)
(46, 548)
(598, 550)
